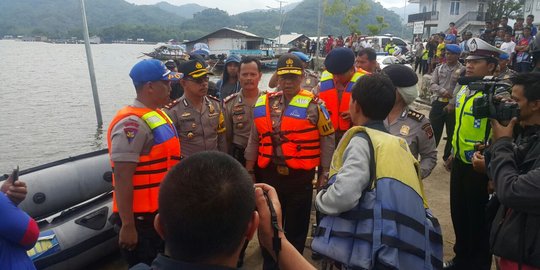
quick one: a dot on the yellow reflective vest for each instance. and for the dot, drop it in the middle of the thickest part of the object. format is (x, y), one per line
(468, 130)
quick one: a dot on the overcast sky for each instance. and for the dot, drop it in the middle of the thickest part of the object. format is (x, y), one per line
(239, 6)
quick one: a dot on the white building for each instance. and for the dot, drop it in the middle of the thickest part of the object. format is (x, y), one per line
(532, 7)
(437, 14)
(227, 39)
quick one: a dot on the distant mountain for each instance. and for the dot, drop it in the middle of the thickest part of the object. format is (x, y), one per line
(410, 9)
(56, 18)
(185, 11)
(120, 20)
(285, 8)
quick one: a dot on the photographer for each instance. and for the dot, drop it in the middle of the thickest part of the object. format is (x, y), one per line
(515, 168)
(468, 188)
(208, 210)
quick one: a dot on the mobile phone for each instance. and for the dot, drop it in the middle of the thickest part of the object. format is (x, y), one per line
(14, 175)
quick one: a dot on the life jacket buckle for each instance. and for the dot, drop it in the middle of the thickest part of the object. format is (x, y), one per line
(282, 170)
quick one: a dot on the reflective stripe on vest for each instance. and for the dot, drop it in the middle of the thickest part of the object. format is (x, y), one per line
(469, 130)
(300, 139)
(391, 224)
(152, 167)
(329, 94)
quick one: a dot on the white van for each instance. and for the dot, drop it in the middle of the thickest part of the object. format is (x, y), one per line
(381, 42)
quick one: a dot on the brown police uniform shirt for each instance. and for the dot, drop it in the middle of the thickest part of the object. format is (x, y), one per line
(416, 129)
(131, 137)
(311, 79)
(314, 114)
(198, 130)
(238, 119)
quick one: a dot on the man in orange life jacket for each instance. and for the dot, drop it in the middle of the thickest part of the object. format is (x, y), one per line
(335, 87)
(143, 145)
(291, 136)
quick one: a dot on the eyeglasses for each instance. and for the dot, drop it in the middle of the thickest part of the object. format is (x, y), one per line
(199, 80)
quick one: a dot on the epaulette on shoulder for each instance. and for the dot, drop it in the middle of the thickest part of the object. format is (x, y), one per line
(213, 98)
(172, 104)
(416, 115)
(230, 97)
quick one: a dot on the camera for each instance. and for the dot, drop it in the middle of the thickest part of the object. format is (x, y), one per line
(494, 103)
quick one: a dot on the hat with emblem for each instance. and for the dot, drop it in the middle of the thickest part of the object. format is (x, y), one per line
(339, 60)
(194, 68)
(479, 49)
(289, 64)
(404, 79)
(149, 70)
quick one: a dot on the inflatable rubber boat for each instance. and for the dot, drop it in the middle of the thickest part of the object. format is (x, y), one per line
(71, 199)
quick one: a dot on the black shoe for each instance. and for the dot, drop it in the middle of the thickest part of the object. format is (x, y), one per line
(450, 265)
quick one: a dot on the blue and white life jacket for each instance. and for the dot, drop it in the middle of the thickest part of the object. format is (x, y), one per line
(391, 227)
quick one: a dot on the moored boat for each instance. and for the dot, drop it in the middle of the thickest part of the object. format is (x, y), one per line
(71, 199)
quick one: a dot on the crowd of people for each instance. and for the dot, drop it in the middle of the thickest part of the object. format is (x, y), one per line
(514, 41)
(195, 175)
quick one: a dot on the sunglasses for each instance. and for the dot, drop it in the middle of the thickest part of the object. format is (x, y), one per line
(199, 80)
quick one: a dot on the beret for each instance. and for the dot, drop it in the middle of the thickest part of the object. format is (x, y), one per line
(339, 60)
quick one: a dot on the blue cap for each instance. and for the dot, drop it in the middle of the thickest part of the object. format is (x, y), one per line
(302, 56)
(149, 70)
(453, 48)
(233, 58)
(504, 56)
(339, 60)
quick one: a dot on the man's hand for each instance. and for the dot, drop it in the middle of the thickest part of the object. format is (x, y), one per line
(448, 163)
(322, 180)
(449, 108)
(266, 231)
(478, 162)
(446, 94)
(128, 237)
(500, 131)
(15, 191)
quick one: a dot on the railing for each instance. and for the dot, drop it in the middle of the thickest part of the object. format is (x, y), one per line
(424, 16)
(471, 16)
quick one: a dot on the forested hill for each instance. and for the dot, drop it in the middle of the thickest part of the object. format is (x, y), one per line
(119, 20)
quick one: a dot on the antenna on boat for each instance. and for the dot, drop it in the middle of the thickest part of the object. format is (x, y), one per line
(91, 66)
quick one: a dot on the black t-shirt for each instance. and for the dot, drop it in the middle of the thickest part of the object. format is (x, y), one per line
(163, 262)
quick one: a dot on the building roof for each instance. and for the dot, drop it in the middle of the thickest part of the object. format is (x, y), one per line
(226, 29)
(288, 38)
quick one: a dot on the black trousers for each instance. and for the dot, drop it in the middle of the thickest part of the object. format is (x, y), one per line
(149, 242)
(440, 119)
(468, 199)
(295, 193)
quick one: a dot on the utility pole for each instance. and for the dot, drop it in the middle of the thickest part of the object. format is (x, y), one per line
(319, 26)
(404, 10)
(281, 20)
(91, 66)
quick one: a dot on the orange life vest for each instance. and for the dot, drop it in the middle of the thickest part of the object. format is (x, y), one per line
(300, 139)
(329, 94)
(151, 168)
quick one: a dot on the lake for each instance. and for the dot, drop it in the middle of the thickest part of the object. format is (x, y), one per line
(48, 101)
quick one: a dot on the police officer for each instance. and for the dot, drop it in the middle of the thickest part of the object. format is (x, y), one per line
(198, 117)
(141, 138)
(292, 134)
(335, 87)
(503, 71)
(238, 108)
(409, 124)
(468, 188)
(311, 78)
(443, 81)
